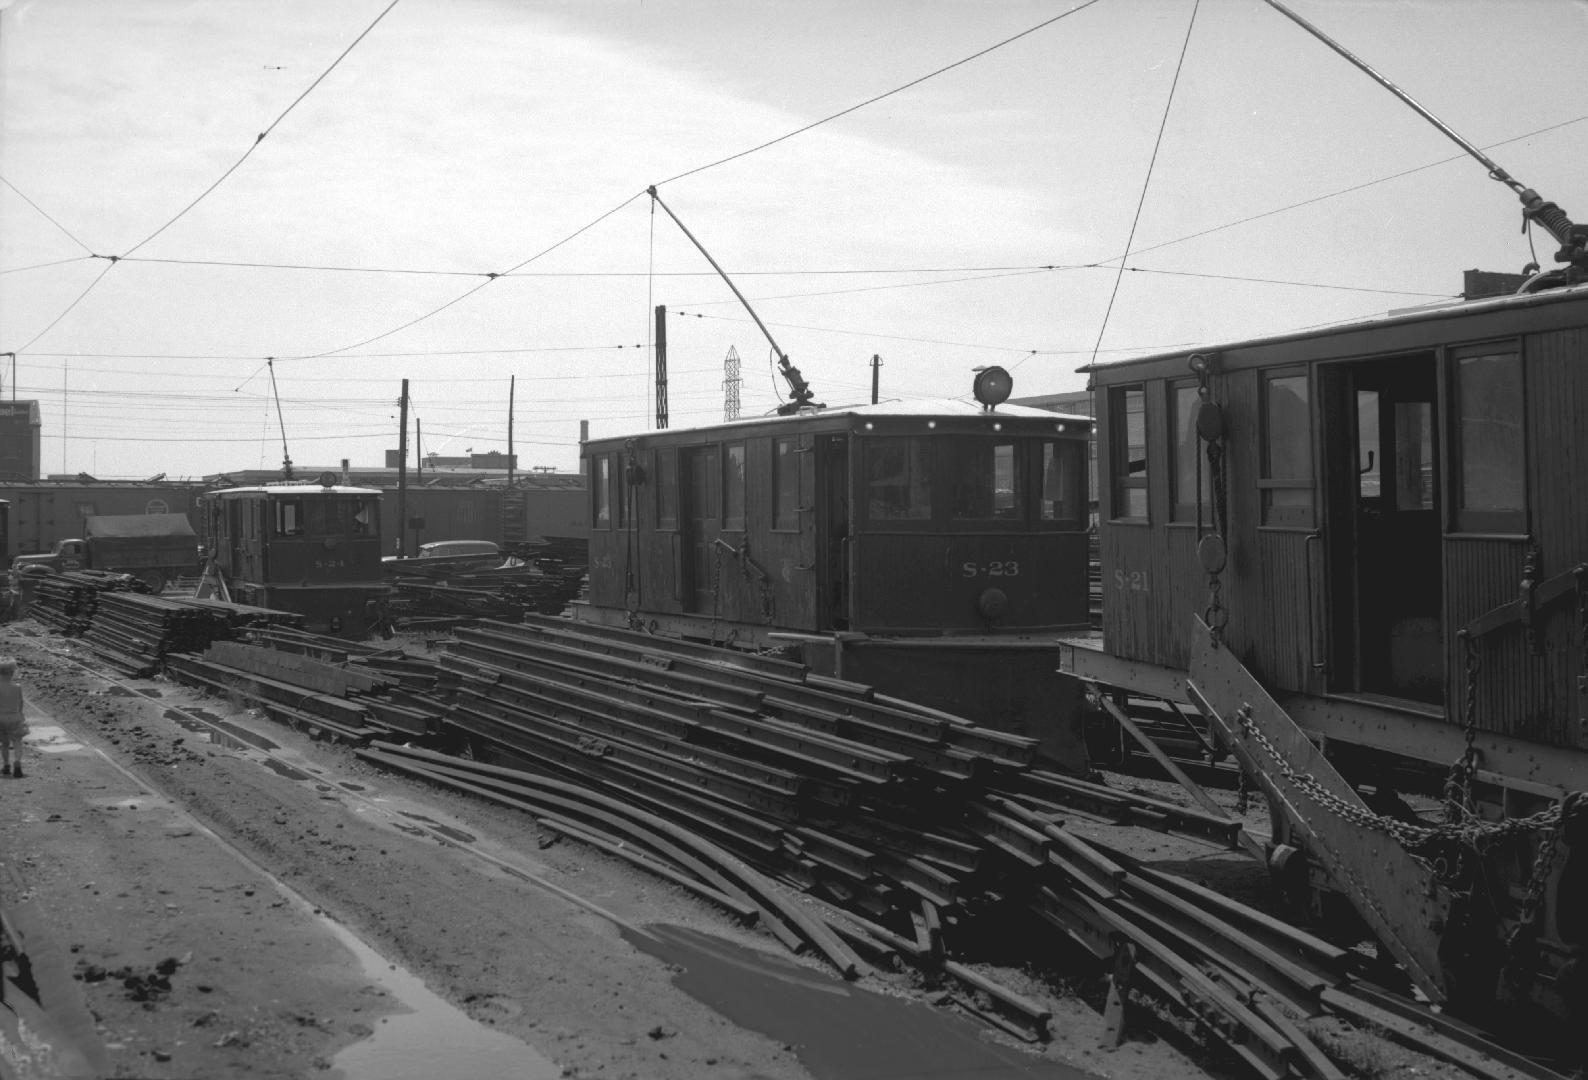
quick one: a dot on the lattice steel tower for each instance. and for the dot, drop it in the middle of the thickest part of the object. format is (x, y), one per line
(730, 385)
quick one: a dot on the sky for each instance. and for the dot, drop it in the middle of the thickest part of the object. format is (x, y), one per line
(867, 202)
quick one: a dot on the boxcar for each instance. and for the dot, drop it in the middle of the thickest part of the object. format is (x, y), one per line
(930, 549)
(314, 549)
(1377, 584)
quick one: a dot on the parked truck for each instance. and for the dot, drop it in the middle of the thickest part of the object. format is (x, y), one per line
(156, 548)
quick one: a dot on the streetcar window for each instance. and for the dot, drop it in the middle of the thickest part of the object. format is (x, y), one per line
(1060, 498)
(986, 480)
(289, 517)
(364, 518)
(1128, 448)
(1189, 458)
(325, 517)
(733, 486)
(1286, 482)
(601, 491)
(785, 483)
(1490, 453)
(1414, 455)
(667, 488)
(899, 479)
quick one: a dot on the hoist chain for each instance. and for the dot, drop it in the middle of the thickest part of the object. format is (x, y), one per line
(1212, 547)
(1543, 865)
(1434, 842)
(1458, 785)
(716, 589)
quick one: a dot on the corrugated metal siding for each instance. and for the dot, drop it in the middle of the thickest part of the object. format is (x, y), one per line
(1480, 576)
(1557, 405)
(1284, 649)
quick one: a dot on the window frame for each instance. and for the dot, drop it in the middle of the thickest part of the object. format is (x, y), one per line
(1120, 480)
(1484, 522)
(1076, 450)
(1183, 511)
(600, 492)
(1297, 518)
(665, 464)
(731, 486)
(787, 458)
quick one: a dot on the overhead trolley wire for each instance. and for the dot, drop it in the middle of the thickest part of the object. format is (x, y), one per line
(1146, 183)
(46, 216)
(112, 260)
(459, 299)
(886, 94)
(262, 135)
(68, 310)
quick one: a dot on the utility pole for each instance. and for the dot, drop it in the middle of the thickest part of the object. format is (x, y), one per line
(876, 369)
(402, 472)
(661, 366)
(512, 382)
(419, 452)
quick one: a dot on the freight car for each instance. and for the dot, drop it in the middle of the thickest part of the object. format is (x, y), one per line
(44, 512)
(1361, 552)
(314, 549)
(930, 549)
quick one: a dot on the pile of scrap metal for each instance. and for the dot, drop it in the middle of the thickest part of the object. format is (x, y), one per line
(327, 687)
(919, 838)
(435, 596)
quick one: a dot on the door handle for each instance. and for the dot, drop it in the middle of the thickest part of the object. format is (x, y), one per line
(1319, 658)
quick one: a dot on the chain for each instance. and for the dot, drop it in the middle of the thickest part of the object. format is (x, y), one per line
(1435, 842)
(1582, 670)
(1458, 785)
(1211, 548)
(1543, 866)
(716, 589)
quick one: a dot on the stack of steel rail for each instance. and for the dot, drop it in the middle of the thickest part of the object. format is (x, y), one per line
(328, 687)
(134, 633)
(67, 601)
(923, 836)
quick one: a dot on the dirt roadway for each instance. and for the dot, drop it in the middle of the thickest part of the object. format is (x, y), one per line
(185, 883)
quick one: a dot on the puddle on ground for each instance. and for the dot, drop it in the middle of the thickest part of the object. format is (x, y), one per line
(839, 1031)
(49, 739)
(445, 830)
(281, 768)
(434, 1039)
(217, 730)
(346, 786)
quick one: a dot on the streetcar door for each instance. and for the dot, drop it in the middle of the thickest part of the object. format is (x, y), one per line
(702, 523)
(1380, 431)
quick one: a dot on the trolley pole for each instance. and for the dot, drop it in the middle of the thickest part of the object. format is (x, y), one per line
(661, 366)
(402, 472)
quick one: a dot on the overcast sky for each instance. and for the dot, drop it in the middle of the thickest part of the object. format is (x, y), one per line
(462, 138)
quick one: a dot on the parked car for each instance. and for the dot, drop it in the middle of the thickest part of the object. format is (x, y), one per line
(447, 556)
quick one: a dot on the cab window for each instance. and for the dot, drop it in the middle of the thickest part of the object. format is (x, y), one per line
(898, 479)
(986, 480)
(289, 517)
(1286, 481)
(1489, 449)
(1127, 438)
